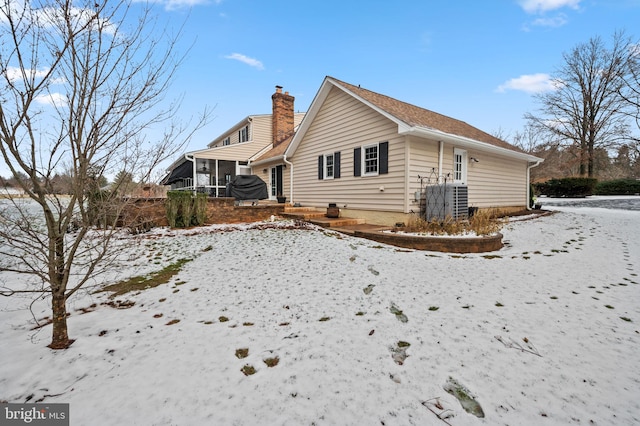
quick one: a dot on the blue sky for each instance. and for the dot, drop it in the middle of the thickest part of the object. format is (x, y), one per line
(477, 61)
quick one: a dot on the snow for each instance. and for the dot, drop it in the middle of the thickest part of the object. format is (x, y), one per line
(559, 289)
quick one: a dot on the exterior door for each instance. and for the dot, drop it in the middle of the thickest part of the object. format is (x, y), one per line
(276, 182)
(459, 166)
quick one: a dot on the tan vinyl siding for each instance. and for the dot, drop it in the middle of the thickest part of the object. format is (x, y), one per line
(497, 181)
(260, 131)
(342, 124)
(494, 181)
(297, 118)
(260, 138)
(237, 152)
(423, 162)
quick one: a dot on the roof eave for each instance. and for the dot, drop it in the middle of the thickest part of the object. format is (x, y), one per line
(317, 102)
(277, 158)
(234, 128)
(464, 142)
(178, 161)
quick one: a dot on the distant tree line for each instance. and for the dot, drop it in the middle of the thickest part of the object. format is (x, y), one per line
(589, 125)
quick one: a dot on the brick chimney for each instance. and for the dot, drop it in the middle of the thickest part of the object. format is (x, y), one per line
(282, 117)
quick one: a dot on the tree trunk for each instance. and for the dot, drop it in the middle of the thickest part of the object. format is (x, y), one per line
(591, 168)
(60, 337)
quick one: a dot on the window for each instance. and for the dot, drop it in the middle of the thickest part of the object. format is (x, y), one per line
(329, 166)
(243, 134)
(371, 160)
(459, 165)
(226, 141)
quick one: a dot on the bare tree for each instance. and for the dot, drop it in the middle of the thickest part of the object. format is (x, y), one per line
(80, 87)
(585, 108)
(630, 92)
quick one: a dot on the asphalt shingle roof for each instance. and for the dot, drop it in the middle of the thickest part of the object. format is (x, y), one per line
(417, 116)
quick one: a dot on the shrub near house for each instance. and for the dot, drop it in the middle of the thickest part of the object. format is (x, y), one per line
(567, 187)
(185, 209)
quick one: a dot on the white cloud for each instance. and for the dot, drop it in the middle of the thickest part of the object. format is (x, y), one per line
(246, 60)
(15, 74)
(541, 6)
(52, 99)
(532, 83)
(554, 22)
(179, 4)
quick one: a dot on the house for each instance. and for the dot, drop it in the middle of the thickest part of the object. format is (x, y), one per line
(365, 152)
(233, 152)
(369, 154)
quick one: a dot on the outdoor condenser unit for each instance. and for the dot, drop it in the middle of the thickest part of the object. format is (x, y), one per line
(448, 200)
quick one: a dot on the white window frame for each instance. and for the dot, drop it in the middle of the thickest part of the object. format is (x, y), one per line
(460, 165)
(226, 141)
(273, 183)
(243, 134)
(364, 160)
(329, 169)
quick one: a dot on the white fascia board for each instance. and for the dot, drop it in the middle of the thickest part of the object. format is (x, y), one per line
(463, 142)
(316, 103)
(277, 158)
(261, 153)
(234, 128)
(180, 160)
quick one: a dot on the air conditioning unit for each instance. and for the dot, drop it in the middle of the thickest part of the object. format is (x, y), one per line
(449, 200)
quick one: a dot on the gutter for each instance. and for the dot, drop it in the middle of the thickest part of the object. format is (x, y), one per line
(440, 160)
(270, 160)
(290, 164)
(464, 142)
(537, 163)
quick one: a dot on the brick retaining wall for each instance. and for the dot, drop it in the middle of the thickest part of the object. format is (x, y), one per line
(219, 210)
(442, 244)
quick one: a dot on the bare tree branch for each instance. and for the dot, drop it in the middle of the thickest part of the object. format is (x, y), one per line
(586, 108)
(81, 85)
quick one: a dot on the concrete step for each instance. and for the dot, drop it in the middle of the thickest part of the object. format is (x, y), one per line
(304, 215)
(291, 209)
(327, 222)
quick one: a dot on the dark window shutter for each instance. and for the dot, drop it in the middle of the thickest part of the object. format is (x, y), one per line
(336, 165)
(357, 158)
(383, 158)
(320, 167)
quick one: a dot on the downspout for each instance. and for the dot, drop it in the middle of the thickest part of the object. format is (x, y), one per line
(537, 163)
(440, 160)
(290, 164)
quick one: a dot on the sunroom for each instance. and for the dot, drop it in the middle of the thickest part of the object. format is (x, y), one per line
(211, 174)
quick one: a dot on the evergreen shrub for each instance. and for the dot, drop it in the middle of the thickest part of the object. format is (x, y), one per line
(618, 187)
(185, 209)
(573, 187)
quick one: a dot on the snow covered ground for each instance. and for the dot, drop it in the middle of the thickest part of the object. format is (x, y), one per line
(542, 332)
